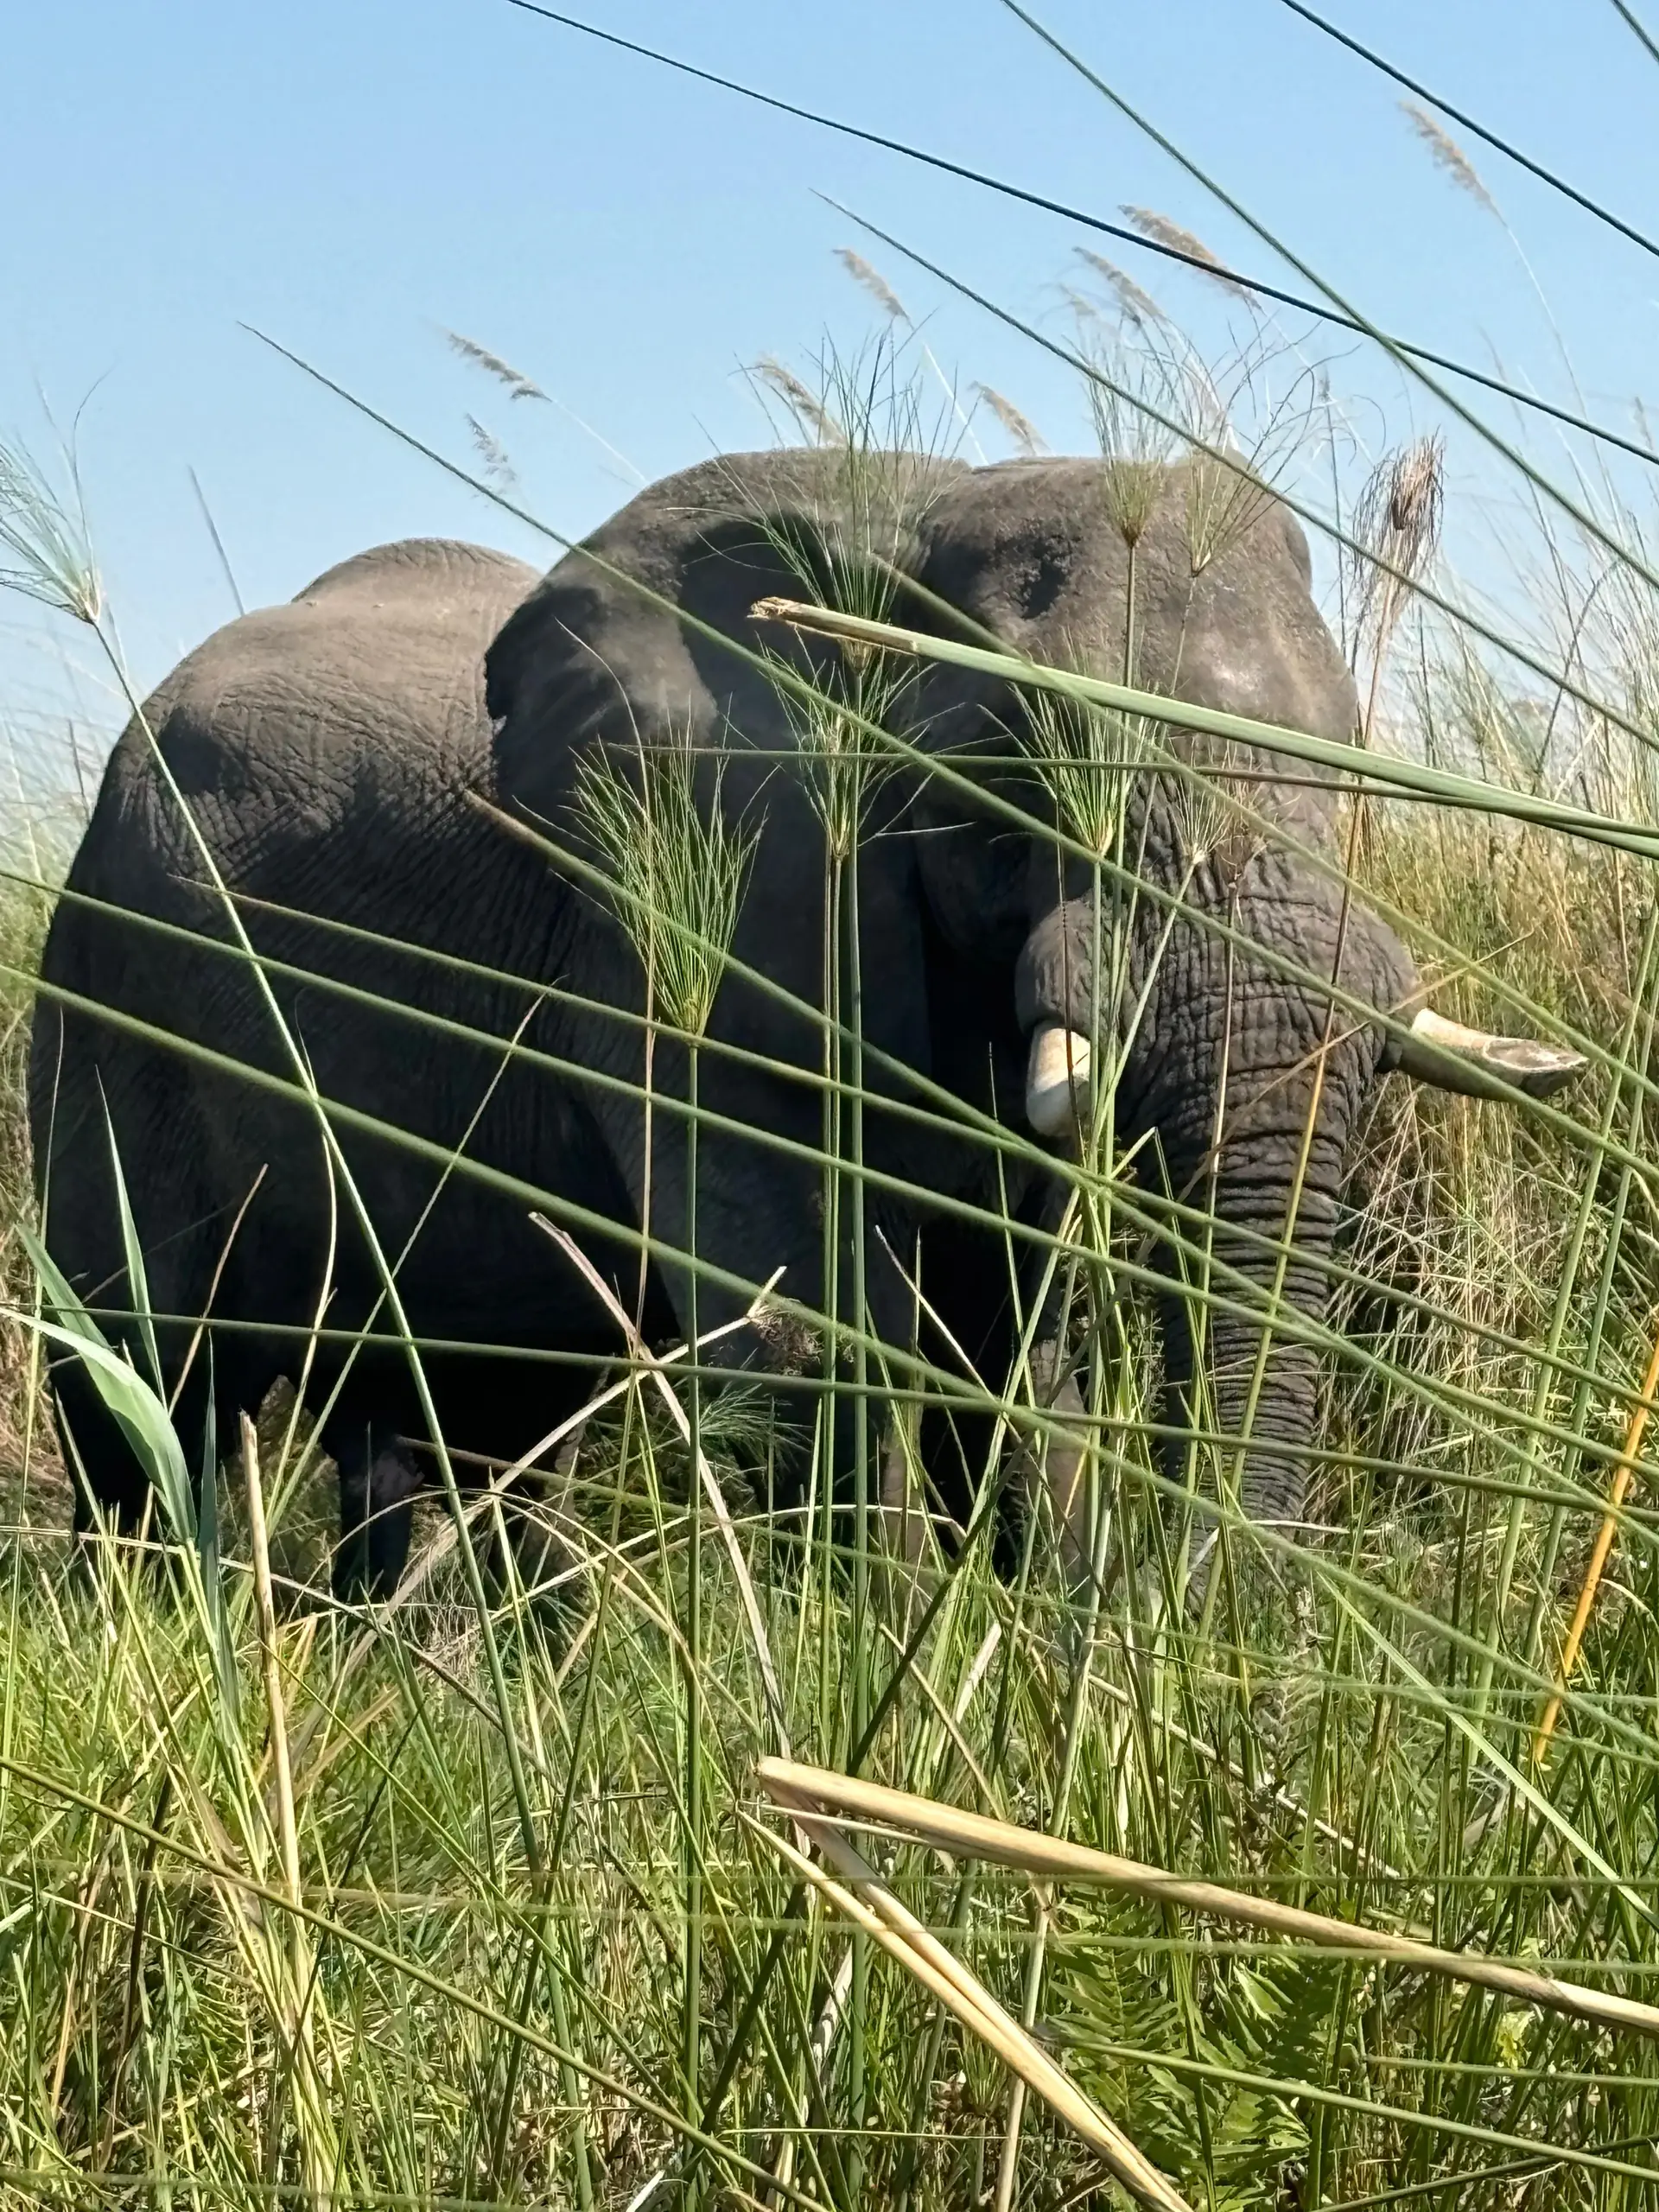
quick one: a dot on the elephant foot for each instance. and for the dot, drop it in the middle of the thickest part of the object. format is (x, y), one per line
(905, 1531)
(539, 1566)
(378, 1481)
(906, 1524)
(1053, 1470)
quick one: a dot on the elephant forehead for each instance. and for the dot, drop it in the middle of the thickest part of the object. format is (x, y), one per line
(1214, 607)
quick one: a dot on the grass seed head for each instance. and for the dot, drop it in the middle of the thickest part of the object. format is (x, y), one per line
(1135, 399)
(1018, 427)
(518, 385)
(678, 868)
(1396, 529)
(1446, 154)
(1139, 305)
(810, 412)
(496, 462)
(872, 281)
(1162, 232)
(46, 537)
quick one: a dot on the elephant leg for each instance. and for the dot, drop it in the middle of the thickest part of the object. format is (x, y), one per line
(758, 1220)
(1053, 1470)
(905, 1527)
(904, 1505)
(379, 1480)
(112, 1489)
(538, 1560)
(1052, 1473)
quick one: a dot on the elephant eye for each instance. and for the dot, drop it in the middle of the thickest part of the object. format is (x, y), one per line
(1043, 580)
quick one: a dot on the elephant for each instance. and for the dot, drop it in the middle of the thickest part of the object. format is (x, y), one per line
(383, 780)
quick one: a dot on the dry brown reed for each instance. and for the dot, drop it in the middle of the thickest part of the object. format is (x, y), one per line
(1446, 154)
(872, 281)
(1019, 427)
(1162, 230)
(518, 385)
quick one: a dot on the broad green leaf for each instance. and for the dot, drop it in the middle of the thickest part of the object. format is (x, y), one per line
(137, 1409)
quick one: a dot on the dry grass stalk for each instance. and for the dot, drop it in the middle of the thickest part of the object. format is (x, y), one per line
(1599, 1557)
(288, 1829)
(879, 1913)
(1446, 154)
(1019, 427)
(810, 411)
(1140, 305)
(518, 385)
(316, 2135)
(1162, 232)
(496, 462)
(972, 1835)
(1397, 530)
(716, 1497)
(872, 281)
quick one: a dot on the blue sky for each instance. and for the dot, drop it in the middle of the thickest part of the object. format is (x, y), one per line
(355, 176)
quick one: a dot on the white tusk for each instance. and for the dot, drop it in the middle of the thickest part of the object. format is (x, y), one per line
(1057, 1080)
(1475, 1062)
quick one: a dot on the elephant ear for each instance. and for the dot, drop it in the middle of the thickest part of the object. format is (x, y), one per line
(626, 640)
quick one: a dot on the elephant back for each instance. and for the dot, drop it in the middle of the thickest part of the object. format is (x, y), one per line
(362, 697)
(319, 747)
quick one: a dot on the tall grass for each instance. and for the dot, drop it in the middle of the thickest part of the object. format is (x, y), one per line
(458, 1902)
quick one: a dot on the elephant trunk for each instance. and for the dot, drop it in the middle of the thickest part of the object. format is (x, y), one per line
(1246, 1381)
(1251, 1080)
(1254, 1154)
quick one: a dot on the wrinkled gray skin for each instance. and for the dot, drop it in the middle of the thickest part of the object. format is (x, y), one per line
(328, 749)
(1228, 1053)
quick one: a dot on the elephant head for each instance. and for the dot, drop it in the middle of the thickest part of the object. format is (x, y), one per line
(1243, 1070)
(1241, 1062)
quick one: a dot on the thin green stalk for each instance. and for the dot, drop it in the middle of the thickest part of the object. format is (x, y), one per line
(697, 1840)
(862, 1626)
(835, 1108)
(1566, 1295)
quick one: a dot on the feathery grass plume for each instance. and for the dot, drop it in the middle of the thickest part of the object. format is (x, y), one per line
(1396, 528)
(873, 499)
(892, 306)
(1136, 397)
(1446, 154)
(678, 868)
(1086, 756)
(494, 456)
(1240, 410)
(46, 537)
(1019, 427)
(1139, 305)
(1162, 232)
(1086, 311)
(810, 413)
(518, 385)
(872, 281)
